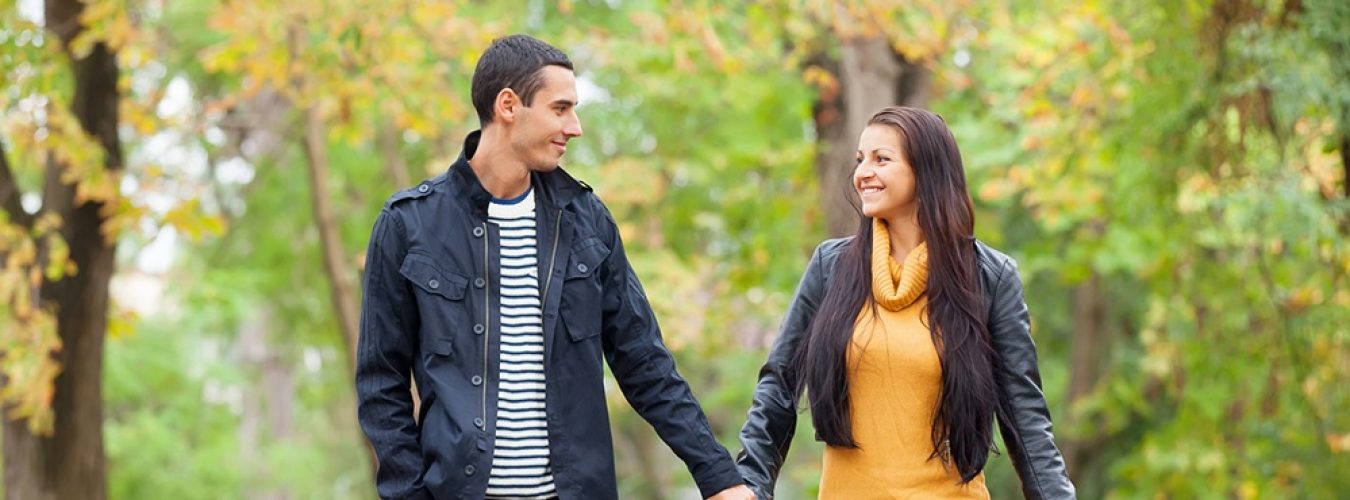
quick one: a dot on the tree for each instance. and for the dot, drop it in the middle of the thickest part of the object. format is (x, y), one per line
(56, 451)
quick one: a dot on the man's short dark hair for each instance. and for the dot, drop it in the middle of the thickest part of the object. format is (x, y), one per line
(513, 62)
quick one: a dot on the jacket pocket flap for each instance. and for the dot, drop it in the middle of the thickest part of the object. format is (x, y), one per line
(420, 270)
(587, 258)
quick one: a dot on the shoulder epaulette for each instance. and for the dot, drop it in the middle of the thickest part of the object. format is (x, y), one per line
(418, 191)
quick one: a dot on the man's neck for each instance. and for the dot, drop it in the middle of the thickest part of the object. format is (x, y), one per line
(502, 175)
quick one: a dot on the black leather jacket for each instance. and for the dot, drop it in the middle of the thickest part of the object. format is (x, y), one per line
(1024, 420)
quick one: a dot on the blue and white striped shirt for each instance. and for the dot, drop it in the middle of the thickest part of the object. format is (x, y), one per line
(520, 456)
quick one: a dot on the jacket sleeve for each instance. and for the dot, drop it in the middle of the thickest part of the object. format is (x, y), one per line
(772, 419)
(384, 356)
(645, 371)
(1023, 416)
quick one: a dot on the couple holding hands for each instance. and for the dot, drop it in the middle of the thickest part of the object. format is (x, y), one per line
(501, 289)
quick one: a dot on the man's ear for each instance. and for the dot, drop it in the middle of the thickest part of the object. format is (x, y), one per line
(506, 105)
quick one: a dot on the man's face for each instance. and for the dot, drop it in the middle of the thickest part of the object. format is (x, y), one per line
(540, 133)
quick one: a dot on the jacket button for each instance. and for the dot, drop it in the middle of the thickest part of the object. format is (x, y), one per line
(469, 470)
(478, 283)
(478, 329)
(581, 267)
(423, 188)
(476, 380)
(477, 232)
(434, 284)
(478, 422)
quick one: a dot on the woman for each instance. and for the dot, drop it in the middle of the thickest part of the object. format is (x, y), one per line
(908, 340)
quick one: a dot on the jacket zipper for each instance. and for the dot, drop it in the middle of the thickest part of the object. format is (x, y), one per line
(552, 261)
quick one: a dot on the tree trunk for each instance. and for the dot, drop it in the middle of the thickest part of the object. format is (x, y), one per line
(1089, 317)
(394, 163)
(871, 75)
(341, 290)
(70, 463)
(268, 414)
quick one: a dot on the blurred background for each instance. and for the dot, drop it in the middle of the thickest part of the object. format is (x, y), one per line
(188, 187)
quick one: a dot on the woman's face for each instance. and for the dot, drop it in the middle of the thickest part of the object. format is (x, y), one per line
(883, 178)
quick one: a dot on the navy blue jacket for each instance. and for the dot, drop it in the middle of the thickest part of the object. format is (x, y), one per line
(430, 315)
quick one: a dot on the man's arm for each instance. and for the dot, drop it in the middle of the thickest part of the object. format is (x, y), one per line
(384, 356)
(646, 373)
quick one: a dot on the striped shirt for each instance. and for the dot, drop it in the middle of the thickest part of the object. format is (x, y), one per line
(520, 460)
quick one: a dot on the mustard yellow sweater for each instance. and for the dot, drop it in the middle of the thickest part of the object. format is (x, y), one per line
(894, 381)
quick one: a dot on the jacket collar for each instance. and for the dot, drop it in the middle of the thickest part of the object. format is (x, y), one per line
(556, 188)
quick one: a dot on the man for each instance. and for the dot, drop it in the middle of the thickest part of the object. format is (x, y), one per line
(500, 285)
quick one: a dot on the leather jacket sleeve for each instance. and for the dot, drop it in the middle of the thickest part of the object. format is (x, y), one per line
(772, 419)
(1023, 416)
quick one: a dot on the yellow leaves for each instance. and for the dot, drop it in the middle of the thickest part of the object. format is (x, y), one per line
(654, 31)
(30, 370)
(139, 116)
(1312, 387)
(189, 218)
(681, 294)
(357, 62)
(1339, 443)
(823, 80)
(97, 185)
(1031, 142)
(712, 44)
(1342, 298)
(122, 324)
(105, 21)
(1083, 96)
(123, 216)
(1195, 193)
(59, 264)
(1324, 172)
(81, 157)
(630, 181)
(19, 254)
(1302, 298)
(996, 190)
(29, 257)
(27, 333)
(1249, 490)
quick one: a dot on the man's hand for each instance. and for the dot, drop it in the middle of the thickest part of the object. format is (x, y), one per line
(734, 493)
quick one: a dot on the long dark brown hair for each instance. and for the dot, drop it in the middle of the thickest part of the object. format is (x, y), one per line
(962, 427)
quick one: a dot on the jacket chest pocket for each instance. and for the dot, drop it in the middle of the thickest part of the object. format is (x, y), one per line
(440, 300)
(583, 292)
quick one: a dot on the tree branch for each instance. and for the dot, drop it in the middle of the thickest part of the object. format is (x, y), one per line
(345, 302)
(10, 193)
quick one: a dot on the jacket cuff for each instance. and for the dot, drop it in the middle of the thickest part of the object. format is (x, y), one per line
(715, 476)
